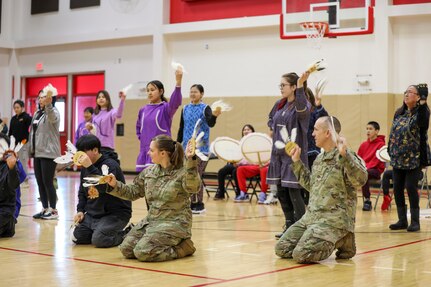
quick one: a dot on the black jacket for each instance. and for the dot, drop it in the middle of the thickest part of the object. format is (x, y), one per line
(9, 182)
(105, 204)
(19, 126)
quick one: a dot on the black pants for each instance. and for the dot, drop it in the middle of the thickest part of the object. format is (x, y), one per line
(44, 171)
(228, 169)
(102, 232)
(7, 225)
(408, 179)
(291, 202)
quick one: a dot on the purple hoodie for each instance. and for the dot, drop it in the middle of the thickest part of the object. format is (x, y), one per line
(104, 123)
(153, 120)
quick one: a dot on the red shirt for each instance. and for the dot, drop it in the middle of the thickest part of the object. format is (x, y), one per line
(367, 151)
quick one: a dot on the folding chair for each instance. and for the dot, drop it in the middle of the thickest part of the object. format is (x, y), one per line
(254, 183)
(424, 183)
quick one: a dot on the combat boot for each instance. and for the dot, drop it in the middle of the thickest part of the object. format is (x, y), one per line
(402, 219)
(414, 225)
(346, 246)
(185, 248)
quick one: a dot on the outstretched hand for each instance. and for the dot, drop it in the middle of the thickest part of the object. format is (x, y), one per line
(111, 180)
(122, 95)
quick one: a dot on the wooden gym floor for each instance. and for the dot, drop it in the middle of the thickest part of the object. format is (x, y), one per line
(235, 247)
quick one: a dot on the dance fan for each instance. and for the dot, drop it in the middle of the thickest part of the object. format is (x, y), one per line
(49, 91)
(317, 66)
(221, 106)
(71, 156)
(92, 181)
(6, 150)
(288, 143)
(196, 141)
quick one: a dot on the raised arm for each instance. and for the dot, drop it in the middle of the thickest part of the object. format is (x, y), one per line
(210, 117)
(191, 180)
(355, 169)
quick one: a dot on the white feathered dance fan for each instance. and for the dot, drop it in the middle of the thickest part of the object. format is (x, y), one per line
(196, 141)
(288, 143)
(177, 66)
(71, 156)
(49, 91)
(221, 106)
(13, 148)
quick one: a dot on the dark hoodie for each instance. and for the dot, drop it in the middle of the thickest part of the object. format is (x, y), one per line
(367, 151)
(105, 204)
(9, 182)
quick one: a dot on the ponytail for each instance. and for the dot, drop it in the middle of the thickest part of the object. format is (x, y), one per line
(173, 148)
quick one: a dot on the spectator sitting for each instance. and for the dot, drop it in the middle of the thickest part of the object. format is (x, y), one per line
(375, 167)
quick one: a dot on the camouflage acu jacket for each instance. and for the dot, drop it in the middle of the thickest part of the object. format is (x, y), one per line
(332, 185)
(167, 192)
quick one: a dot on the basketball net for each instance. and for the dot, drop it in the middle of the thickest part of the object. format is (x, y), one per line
(314, 32)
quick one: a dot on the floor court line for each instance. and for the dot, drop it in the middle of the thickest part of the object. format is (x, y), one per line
(306, 265)
(218, 280)
(110, 264)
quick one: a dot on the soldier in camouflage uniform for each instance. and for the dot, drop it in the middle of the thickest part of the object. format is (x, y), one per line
(329, 221)
(164, 234)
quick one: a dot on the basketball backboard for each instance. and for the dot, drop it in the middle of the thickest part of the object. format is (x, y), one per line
(344, 17)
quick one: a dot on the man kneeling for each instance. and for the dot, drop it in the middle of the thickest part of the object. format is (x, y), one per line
(101, 216)
(329, 221)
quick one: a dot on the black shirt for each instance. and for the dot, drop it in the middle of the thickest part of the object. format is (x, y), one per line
(19, 126)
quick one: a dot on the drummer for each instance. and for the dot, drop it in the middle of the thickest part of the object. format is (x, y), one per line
(231, 167)
(375, 167)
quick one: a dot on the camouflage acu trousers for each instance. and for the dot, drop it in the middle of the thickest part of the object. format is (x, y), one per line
(308, 243)
(151, 244)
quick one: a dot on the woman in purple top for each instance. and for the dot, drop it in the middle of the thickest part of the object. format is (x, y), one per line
(104, 121)
(85, 126)
(291, 111)
(155, 118)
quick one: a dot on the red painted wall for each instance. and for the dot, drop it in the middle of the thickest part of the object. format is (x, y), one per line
(401, 2)
(201, 10)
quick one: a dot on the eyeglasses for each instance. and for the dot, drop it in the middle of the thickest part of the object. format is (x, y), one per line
(410, 92)
(281, 86)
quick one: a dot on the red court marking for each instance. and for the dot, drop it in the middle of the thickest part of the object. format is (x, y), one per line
(219, 281)
(305, 265)
(111, 264)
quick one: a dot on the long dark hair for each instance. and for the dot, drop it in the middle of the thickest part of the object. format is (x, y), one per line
(159, 86)
(247, 126)
(173, 148)
(107, 97)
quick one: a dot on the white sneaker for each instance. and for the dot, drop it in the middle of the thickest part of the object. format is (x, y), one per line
(50, 214)
(270, 199)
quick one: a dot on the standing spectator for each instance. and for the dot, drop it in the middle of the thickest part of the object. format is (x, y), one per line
(404, 148)
(45, 147)
(375, 167)
(85, 126)
(19, 128)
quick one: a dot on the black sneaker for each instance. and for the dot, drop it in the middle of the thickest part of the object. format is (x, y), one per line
(198, 208)
(219, 196)
(127, 229)
(367, 205)
(285, 228)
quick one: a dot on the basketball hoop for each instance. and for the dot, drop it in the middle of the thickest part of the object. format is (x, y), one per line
(314, 32)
